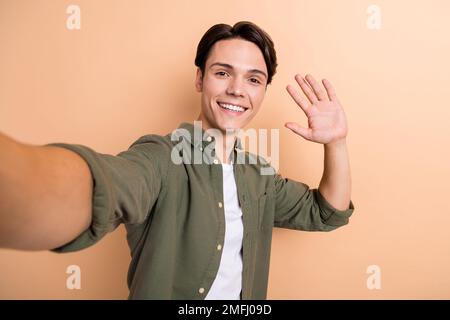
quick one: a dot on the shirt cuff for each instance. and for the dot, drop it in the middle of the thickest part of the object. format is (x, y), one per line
(330, 215)
(101, 202)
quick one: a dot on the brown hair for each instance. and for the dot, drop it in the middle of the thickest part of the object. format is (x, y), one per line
(245, 30)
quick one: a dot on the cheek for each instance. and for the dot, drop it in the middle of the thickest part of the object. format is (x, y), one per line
(257, 97)
(214, 87)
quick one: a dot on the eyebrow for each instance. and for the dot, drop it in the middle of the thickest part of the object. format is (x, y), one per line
(229, 66)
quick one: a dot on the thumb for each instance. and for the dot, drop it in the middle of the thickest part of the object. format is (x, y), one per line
(301, 131)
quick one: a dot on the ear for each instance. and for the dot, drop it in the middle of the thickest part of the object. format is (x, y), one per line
(199, 80)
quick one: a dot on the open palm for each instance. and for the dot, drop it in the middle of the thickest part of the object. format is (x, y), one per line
(326, 118)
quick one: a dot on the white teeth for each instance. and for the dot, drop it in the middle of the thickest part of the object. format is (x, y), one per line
(232, 107)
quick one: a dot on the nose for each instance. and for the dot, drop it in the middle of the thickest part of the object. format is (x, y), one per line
(235, 88)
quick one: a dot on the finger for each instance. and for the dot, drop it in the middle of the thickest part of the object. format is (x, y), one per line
(306, 89)
(318, 89)
(298, 98)
(330, 90)
(301, 131)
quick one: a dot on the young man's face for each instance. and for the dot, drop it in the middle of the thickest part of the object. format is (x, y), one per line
(233, 85)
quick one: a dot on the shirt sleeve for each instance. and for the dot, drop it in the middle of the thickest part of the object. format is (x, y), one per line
(125, 188)
(300, 208)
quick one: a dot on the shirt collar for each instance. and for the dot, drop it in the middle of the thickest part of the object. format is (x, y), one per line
(201, 138)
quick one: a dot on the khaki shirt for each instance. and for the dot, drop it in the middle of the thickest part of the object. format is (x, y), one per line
(174, 213)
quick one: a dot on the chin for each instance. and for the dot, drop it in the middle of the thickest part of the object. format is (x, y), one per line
(232, 124)
(229, 125)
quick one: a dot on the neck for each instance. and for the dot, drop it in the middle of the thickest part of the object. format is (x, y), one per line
(224, 146)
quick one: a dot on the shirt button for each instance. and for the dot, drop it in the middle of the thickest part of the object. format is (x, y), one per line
(201, 290)
(208, 139)
(216, 161)
(219, 247)
(201, 148)
(220, 204)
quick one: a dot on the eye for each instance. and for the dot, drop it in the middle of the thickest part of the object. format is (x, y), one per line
(254, 80)
(221, 73)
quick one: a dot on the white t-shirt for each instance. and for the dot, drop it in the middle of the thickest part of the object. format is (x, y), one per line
(228, 282)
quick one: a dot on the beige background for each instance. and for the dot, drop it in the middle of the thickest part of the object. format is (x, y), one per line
(129, 71)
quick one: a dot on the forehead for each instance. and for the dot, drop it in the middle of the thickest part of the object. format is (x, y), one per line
(241, 54)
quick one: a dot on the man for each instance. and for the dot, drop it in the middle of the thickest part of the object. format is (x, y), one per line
(196, 229)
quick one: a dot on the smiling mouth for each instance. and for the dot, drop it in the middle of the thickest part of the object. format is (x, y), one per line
(234, 109)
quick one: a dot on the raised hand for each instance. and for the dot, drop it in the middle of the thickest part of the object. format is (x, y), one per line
(326, 118)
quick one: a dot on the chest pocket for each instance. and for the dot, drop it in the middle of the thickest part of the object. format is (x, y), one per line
(266, 207)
